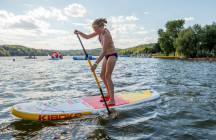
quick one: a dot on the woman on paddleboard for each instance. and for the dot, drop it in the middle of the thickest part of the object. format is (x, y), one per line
(109, 52)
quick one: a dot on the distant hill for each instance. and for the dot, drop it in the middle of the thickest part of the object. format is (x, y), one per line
(144, 48)
(94, 52)
(18, 50)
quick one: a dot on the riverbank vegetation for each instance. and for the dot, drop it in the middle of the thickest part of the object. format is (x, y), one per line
(194, 41)
(140, 49)
(18, 50)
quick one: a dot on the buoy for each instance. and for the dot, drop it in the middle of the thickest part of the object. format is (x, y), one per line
(56, 56)
(83, 58)
(60, 56)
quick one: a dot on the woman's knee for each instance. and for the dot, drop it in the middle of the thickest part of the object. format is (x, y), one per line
(102, 76)
(107, 76)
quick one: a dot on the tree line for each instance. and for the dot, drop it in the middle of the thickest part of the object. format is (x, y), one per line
(140, 49)
(194, 41)
(18, 50)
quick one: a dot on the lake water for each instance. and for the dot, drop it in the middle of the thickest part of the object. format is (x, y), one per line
(185, 110)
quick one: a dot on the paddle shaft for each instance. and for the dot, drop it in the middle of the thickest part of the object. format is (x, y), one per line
(94, 75)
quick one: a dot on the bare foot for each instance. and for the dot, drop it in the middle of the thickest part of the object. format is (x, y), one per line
(110, 103)
(105, 96)
(102, 100)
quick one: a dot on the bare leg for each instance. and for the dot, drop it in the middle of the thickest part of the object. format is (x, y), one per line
(102, 75)
(109, 69)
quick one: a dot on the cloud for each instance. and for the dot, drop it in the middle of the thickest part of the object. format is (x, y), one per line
(190, 18)
(28, 5)
(41, 12)
(126, 43)
(186, 19)
(5, 15)
(66, 43)
(57, 13)
(75, 10)
(29, 24)
(90, 21)
(131, 18)
(31, 20)
(146, 13)
(53, 31)
(153, 30)
(13, 32)
(122, 28)
(9, 20)
(117, 19)
(141, 28)
(85, 26)
(79, 24)
(8, 38)
(141, 32)
(121, 19)
(128, 26)
(23, 24)
(116, 27)
(148, 40)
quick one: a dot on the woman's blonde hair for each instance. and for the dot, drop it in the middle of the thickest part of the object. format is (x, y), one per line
(99, 22)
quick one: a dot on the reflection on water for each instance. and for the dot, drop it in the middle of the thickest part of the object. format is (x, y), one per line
(185, 110)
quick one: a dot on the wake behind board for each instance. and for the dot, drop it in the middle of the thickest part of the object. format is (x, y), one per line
(67, 108)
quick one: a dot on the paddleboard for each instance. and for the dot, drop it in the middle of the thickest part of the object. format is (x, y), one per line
(67, 108)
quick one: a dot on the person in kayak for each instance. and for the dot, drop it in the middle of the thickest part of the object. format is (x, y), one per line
(108, 51)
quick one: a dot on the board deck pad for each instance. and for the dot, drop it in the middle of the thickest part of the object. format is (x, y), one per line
(94, 101)
(64, 108)
(120, 98)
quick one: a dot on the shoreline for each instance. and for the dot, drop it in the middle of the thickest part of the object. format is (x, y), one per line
(202, 58)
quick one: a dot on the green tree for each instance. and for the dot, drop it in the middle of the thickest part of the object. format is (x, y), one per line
(166, 43)
(189, 41)
(160, 32)
(166, 38)
(174, 27)
(185, 43)
(157, 48)
(209, 37)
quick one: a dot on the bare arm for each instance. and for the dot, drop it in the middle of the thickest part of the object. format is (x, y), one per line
(85, 35)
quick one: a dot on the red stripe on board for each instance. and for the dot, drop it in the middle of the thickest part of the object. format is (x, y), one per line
(69, 101)
(94, 101)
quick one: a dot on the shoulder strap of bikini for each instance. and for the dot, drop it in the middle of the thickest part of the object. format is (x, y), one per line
(107, 29)
(99, 37)
(104, 31)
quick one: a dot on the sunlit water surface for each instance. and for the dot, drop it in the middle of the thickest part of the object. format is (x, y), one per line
(185, 110)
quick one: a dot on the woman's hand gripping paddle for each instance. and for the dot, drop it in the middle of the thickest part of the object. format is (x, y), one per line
(94, 75)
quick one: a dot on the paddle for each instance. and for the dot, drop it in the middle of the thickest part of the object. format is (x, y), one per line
(94, 75)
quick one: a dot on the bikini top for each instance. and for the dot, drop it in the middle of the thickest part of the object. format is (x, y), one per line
(101, 41)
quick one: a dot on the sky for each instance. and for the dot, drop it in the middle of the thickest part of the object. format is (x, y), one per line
(49, 24)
